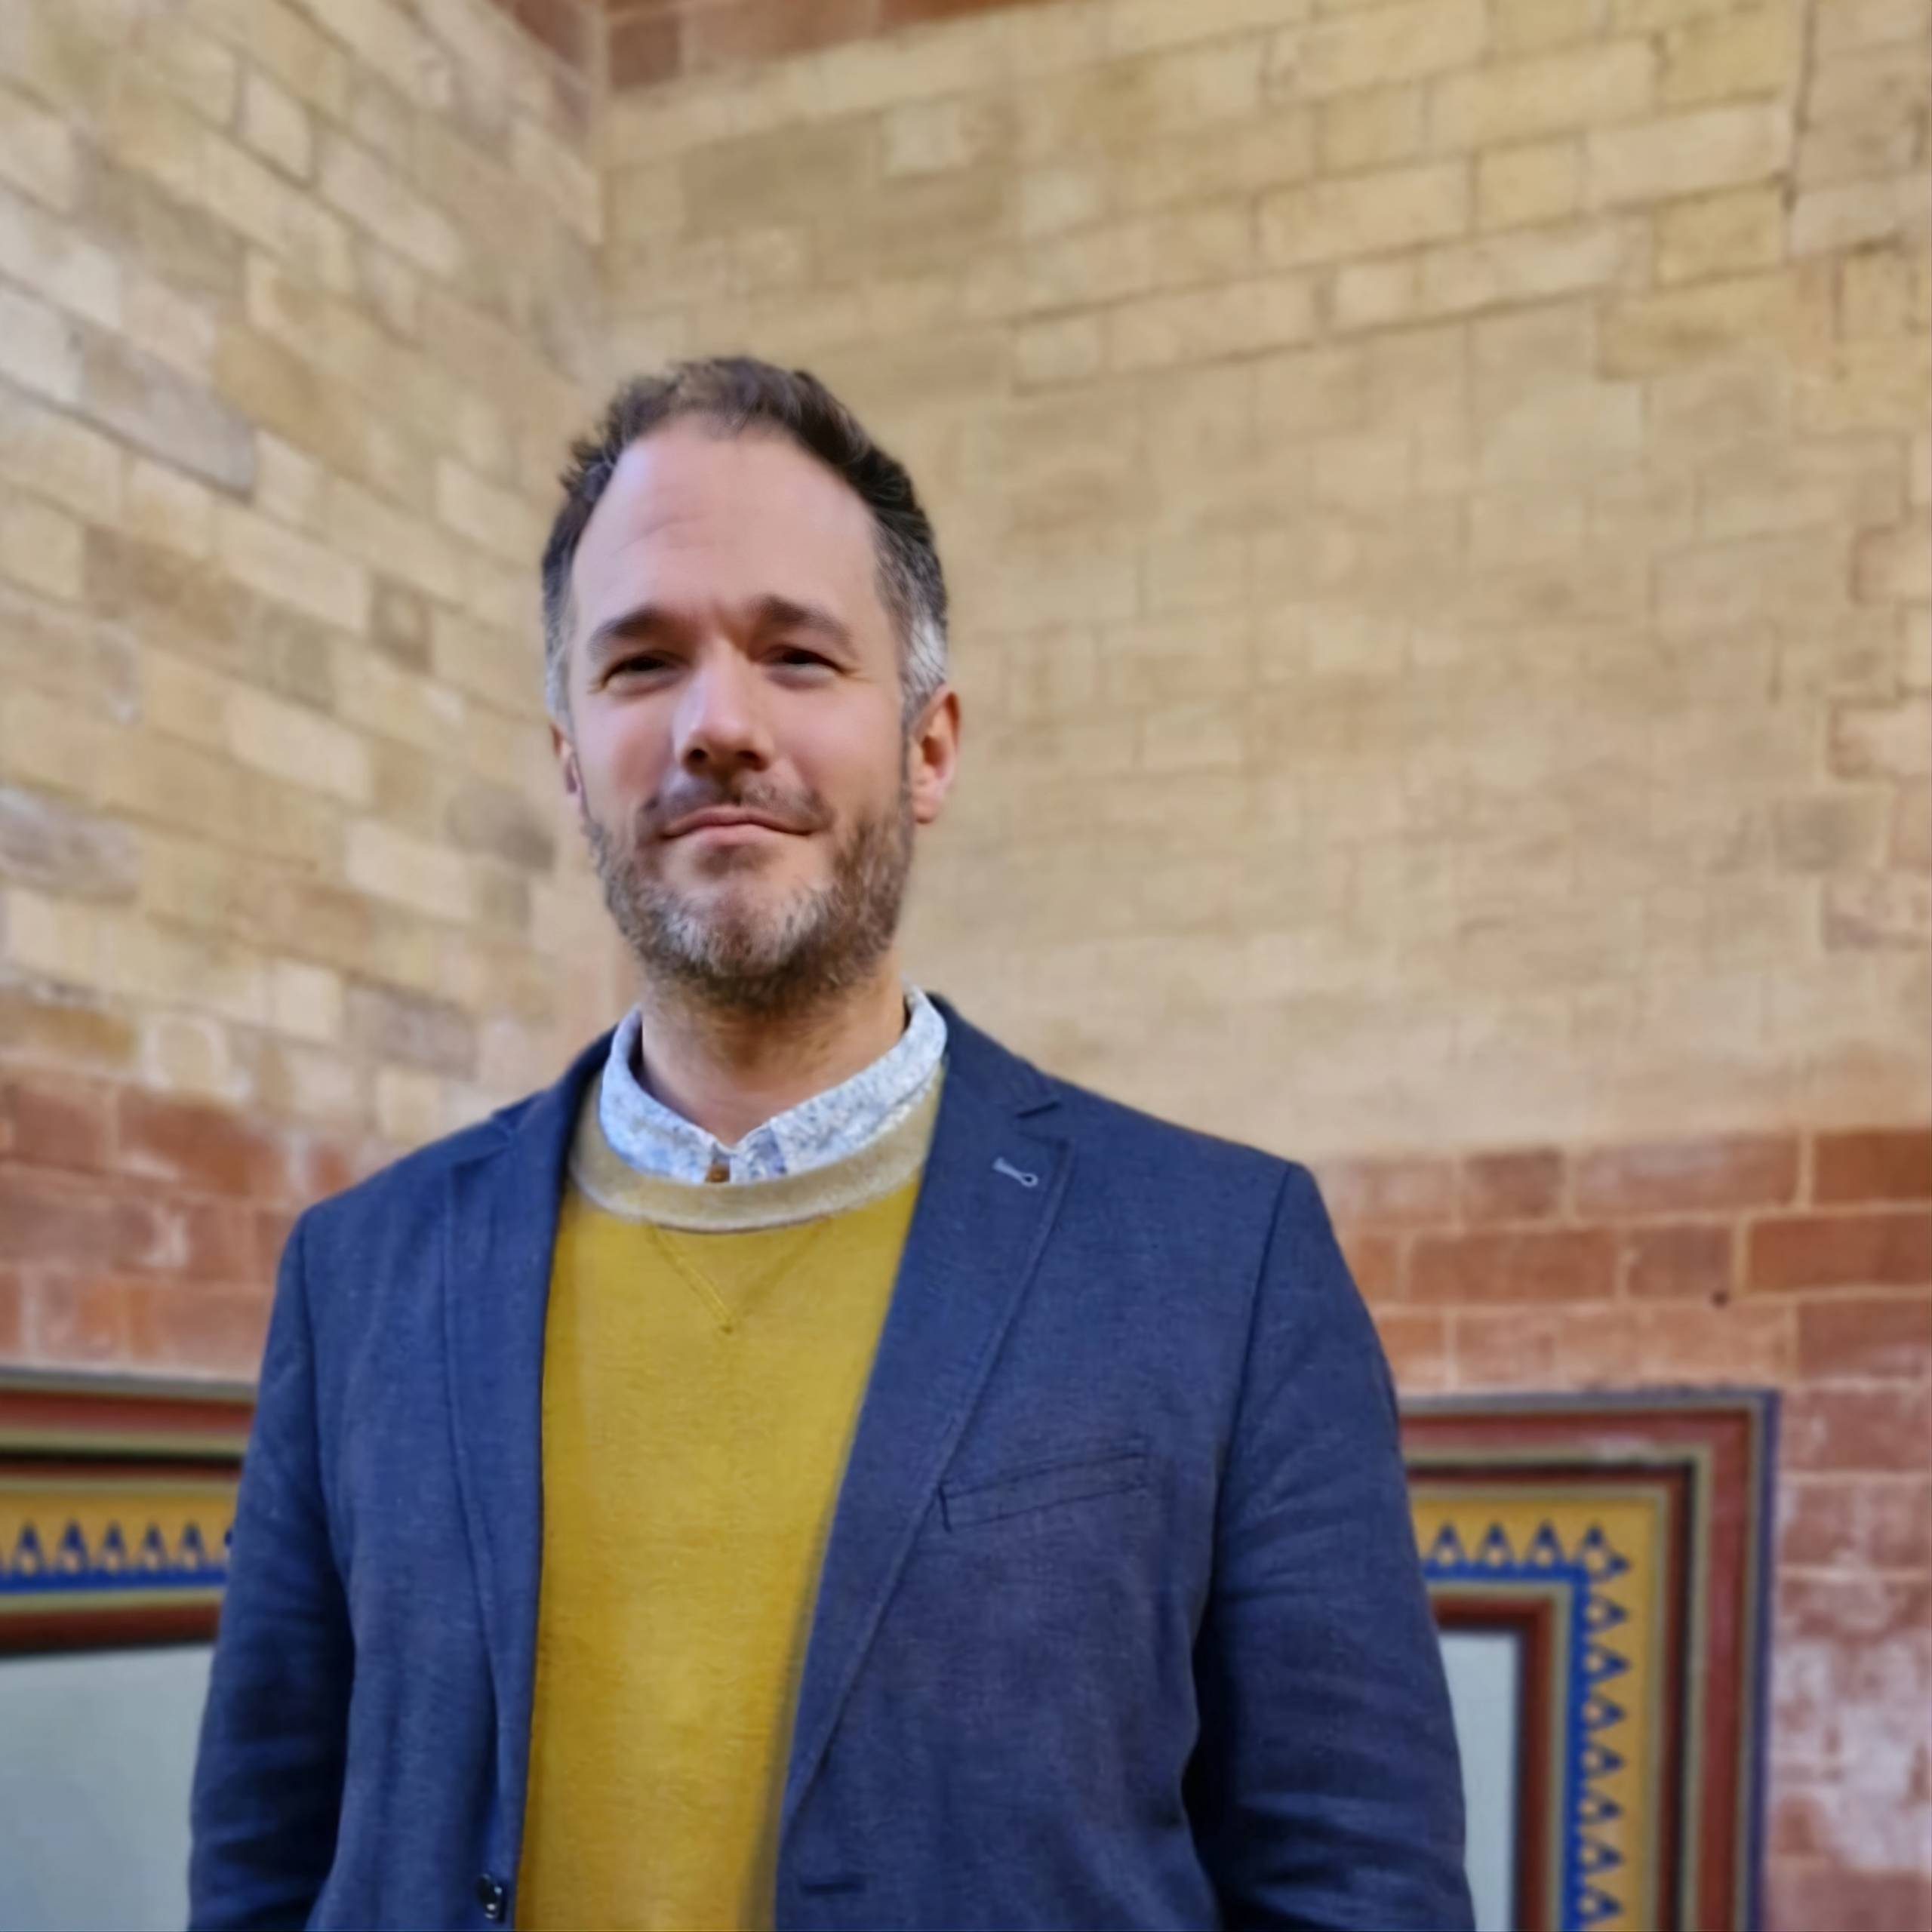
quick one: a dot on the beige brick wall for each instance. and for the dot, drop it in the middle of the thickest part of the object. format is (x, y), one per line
(297, 305)
(1436, 495)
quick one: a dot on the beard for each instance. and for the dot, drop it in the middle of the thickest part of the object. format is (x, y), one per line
(735, 950)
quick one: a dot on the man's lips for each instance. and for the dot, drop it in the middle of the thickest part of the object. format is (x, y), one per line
(722, 815)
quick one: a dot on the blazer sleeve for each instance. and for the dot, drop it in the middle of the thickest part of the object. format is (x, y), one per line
(269, 1776)
(1325, 1789)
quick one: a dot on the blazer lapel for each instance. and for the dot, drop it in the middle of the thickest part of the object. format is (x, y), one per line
(992, 1190)
(501, 1230)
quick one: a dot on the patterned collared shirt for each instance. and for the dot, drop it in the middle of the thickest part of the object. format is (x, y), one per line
(650, 1137)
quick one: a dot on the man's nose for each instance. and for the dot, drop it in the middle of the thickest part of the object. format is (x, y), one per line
(721, 724)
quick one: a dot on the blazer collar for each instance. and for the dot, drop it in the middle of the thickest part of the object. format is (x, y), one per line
(992, 1190)
(500, 1228)
(992, 1187)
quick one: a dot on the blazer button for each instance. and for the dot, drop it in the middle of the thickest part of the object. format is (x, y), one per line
(494, 1896)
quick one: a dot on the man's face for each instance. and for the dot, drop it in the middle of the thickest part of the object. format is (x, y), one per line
(729, 654)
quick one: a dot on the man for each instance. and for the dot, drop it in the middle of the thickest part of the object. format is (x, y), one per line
(809, 1467)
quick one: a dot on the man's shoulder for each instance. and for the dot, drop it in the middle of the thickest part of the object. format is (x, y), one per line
(399, 1193)
(419, 1175)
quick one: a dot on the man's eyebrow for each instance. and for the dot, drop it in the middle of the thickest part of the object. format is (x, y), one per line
(645, 622)
(638, 625)
(781, 614)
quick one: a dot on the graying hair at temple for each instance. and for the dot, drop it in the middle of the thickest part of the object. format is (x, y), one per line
(737, 393)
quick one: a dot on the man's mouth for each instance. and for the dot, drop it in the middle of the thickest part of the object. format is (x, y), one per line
(726, 819)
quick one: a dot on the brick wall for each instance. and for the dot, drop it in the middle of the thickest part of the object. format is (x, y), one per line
(1799, 1261)
(1436, 498)
(297, 305)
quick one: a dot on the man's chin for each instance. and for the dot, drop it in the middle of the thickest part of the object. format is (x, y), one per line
(727, 858)
(731, 934)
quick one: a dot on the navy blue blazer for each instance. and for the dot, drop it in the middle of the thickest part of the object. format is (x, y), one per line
(1120, 1623)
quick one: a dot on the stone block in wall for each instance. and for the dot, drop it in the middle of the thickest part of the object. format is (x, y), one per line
(499, 823)
(1376, 127)
(404, 871)
(47, 451)
(790, 176)
(1732, 55)
(1534, 182)
(1554, 1266)
(1882, 741)
(291, 569)
(1858, 214)
(1270, 311)
(1376, 47)
(306, 1001)
(304, 59)
(39, 347)
(1529, 265)
(1731, 232)
(297, 745)
(42, 251)
(41, 548)
(1119, 106)
(277, 126)
(309, 1083)
(1643, 334)
(1718, 147)
(1881, 909)
(148, 228)
(1880, 1248)
(1239, 157)
(1850, 1336)
(51, 844)
(197, 69)
(1365, 214)
(38, 151)
(359, 187)
(385, 38)
(391, 1025)
(567, 185)
(1496, 104)
(153, 407)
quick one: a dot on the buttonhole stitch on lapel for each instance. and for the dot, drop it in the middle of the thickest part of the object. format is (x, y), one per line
(1004, 1166)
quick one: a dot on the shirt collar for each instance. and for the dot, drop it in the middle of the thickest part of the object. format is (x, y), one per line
(652, 1139)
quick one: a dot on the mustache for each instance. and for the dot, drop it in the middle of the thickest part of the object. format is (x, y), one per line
(803, 811)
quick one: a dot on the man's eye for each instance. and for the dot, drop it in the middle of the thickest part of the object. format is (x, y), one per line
(639, 665)
(797, 654)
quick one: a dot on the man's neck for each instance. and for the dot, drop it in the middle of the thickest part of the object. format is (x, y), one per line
(729, 1074)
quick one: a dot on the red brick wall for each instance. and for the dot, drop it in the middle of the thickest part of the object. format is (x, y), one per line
(1802, 1261)
(139, 1231)
(638, 43)
(663, 40)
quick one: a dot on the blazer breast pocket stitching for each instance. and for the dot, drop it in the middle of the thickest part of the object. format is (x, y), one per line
(1043, 1486)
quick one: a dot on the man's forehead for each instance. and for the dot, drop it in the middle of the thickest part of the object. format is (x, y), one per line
(755, 481)
(731, 518)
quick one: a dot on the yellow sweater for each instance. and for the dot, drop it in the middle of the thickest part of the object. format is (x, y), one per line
(706, 1353)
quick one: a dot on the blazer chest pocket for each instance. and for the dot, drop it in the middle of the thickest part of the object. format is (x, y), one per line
(1045, 1485)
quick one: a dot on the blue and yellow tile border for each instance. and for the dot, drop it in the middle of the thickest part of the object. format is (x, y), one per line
(1623, 1542)
(116, 1500)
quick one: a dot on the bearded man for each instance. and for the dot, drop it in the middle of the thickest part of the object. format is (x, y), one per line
(809, 1467)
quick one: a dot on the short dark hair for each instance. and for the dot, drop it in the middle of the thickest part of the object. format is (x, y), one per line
(737, 393)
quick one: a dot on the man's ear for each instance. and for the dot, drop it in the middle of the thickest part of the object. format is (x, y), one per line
(933, 755)
(571, 772)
